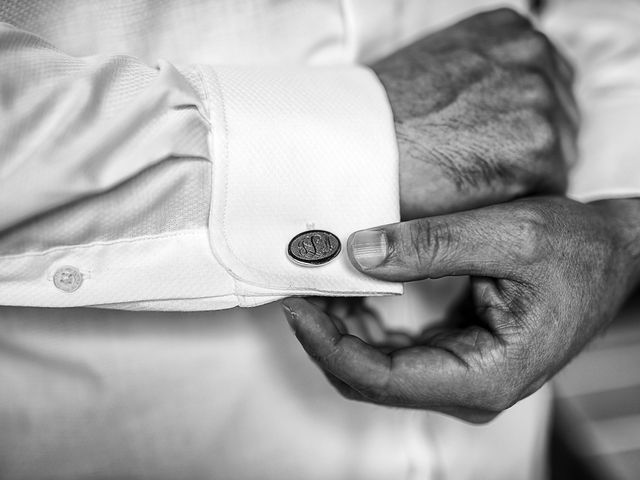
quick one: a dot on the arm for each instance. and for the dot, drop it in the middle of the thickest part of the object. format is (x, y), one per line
(169, 187)
(264, 154)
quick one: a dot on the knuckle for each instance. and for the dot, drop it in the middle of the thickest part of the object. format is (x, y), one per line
(537, 129)
(529, 236)
(538, 44)
(504, 17)
(537, 89)
(509, 16)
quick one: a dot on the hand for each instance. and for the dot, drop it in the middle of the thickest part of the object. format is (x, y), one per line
(353, 316)
(547, 274)
(484, 113)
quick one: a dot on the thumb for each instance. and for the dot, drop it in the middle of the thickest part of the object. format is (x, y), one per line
(491, 242)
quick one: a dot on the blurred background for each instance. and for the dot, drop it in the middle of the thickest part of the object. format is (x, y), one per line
(597, 420)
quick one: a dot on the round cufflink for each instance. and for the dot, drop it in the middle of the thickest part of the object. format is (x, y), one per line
(313, 248)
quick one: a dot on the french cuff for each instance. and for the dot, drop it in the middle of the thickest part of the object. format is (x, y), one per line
(290, 151)
(294, 150)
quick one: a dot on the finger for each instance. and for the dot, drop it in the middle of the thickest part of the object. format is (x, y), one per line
(344, 388)
(533, 50)
(567, 99)
(563, 89)
(530, 47)
(566, 118)
(346, 356)
(473, 415)
(558, 63)
(555, 98)
(564, 67)
(322, 303)
(564, 110)
(499, 241)
(355, 317)
(568, 149)
(419, 377)
(494, 22)
(553, 103)
(515, 38)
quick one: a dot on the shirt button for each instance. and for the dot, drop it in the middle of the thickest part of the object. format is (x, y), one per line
(68, 279)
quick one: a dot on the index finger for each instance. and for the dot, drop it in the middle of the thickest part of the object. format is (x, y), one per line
(437, 378)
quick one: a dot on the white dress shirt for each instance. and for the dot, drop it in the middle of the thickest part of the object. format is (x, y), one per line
(159, 155)
(179, 187)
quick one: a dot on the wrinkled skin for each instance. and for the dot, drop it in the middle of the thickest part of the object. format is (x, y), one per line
(484, 113)
(547, 274)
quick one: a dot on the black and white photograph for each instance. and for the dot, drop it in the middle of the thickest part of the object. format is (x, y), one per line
(319, 240)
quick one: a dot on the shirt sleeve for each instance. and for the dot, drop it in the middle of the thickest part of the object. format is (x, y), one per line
(167, 187)
(603, 40)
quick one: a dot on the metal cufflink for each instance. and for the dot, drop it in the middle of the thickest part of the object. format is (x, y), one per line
(313, 248)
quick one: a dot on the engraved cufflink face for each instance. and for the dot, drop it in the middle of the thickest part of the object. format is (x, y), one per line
(313, 248)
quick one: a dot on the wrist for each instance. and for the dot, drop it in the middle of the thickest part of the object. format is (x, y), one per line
(409, 180)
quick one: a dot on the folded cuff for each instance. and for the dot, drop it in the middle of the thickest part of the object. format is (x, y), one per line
(294, 150)
(290, 150)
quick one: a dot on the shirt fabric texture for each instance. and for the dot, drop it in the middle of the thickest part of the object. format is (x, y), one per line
(168, 151)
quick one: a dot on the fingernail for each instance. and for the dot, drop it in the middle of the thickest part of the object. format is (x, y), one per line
(288, 313)
(368, 248)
